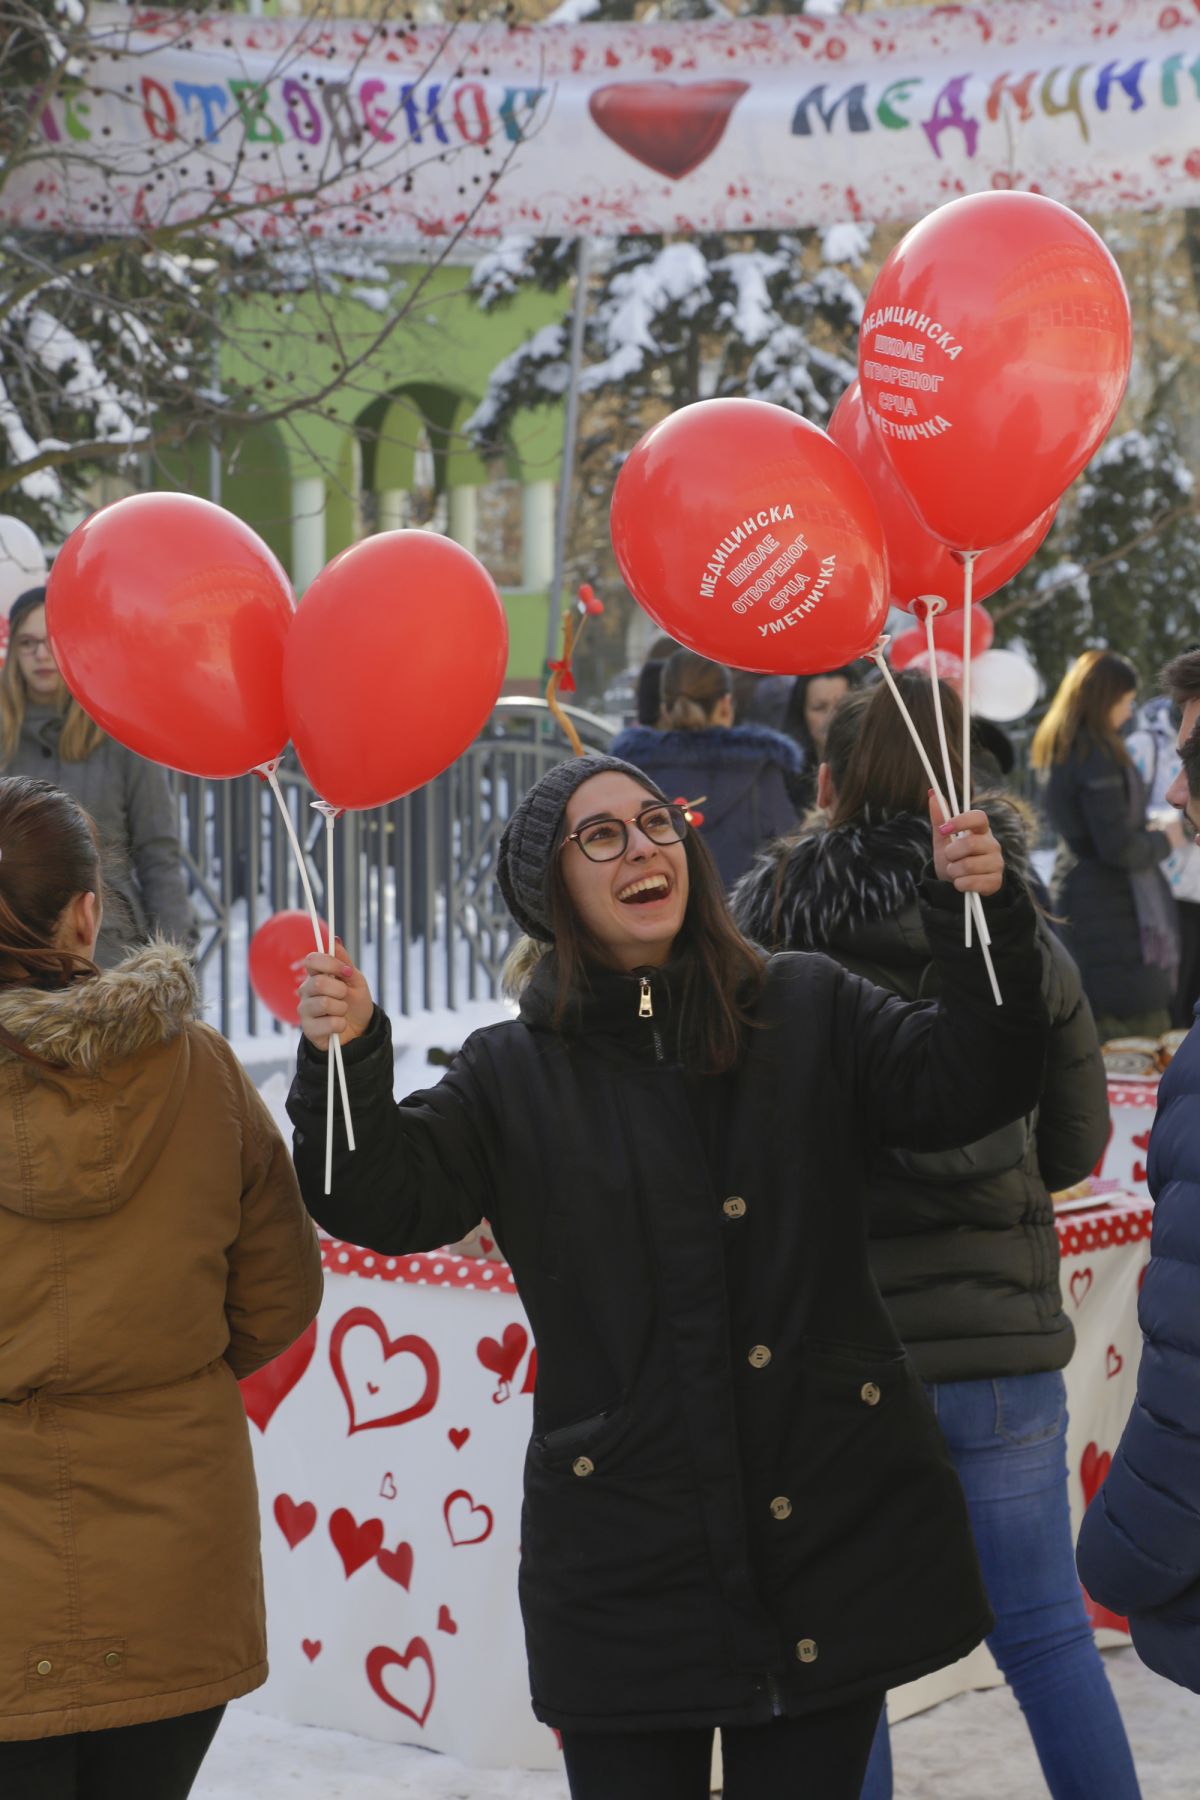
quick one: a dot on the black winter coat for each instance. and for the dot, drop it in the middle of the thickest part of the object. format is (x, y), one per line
(962, 1241)
(737, 1501)
(751, 778)
(1097, 806)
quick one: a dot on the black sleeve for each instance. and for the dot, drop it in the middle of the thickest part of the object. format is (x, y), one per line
(1072, 1124)
(420, 1176)
(1105, 805)
(932, 1076)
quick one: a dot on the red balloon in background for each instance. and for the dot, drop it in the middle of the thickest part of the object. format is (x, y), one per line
(276, 962)
(909, 654)
(993, 354)
(168, 618)
(395, 659)
(918, 562)
(947, 635)
(747, 535)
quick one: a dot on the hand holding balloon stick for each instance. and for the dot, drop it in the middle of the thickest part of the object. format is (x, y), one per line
(562, 677)
(972, 900)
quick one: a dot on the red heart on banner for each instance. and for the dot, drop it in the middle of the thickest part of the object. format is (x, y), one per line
(1142, 1140)
(1093, 1467)
(462, 1526)
(267, 1387)
(356, 1544)
(447, 1622)
(382, 1659)
(503, 1358)
(1081, 1284)
(392, 1347)
(1114, 1361)
(294, 1520)
(458, 1438)
(397, 1564)
(666, 125)
(387, 1488)
(311, 1648)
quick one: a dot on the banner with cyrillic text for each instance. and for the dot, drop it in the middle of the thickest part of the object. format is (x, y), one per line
(372, 131)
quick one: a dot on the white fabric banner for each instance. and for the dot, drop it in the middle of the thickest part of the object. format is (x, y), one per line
(380, 133)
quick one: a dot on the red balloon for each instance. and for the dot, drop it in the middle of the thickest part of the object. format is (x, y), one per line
(276, 962)
(747, 535)
(394, 661)
(948, 633)
(168, 619)
(918, 562)
(909, 654)
(993, 354)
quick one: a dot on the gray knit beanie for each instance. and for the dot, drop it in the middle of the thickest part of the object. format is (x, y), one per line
(532, 835)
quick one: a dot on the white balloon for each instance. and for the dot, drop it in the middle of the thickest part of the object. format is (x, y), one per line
(1003, 686)
(22, 561)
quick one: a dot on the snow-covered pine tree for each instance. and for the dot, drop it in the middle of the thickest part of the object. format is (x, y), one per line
(1123, 566)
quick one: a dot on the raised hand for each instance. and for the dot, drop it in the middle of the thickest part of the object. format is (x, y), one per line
(965, 851)
(334, 997)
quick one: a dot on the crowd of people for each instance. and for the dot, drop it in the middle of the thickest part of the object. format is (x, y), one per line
(827, 1322)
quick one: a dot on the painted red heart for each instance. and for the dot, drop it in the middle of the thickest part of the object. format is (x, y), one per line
(382, 1658)
(295, 1520)
(458, 1437)
(486, 1244)
(530, 1382)
(447, 1622)
(1142, 1141)
(311, 1648)
(463, 1527)
(504, 1358)
(263, 1391)
(1114, 1361)
(669, 126)
(391, 1347)
(387, 1488)
(1093, 1467)
(1139, 1173)
(1081, 1284)
(356, 1544)
(397, 1564)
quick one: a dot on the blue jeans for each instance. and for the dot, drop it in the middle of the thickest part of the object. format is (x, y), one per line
(1008, 1442)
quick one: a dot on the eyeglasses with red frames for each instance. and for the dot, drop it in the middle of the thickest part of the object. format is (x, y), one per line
(605, 839)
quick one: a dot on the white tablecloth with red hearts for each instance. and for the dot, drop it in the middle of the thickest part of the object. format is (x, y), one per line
(389, 1444)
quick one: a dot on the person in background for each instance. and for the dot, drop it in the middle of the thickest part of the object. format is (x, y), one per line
(809, 710)
(46, 735)
(1139, 1546)
(962, 1242)
(1152, 745)
(747, 775)
(761, 699)
(1107, 884)
(648, 695)
(153, 1249)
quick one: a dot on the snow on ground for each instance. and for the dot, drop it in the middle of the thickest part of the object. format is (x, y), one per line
(973, 1748)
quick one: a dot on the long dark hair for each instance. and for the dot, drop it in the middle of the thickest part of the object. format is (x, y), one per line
(873, 762)
(48, 856)
(722, 971)
(795, 723)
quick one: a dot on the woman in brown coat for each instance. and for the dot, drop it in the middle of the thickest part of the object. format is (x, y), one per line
(153, 1249)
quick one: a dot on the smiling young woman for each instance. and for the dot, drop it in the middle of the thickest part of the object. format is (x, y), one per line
(739, 1513)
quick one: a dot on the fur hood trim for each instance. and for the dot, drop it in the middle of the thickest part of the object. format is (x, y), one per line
(716, 744)
(805, 893)
(147, 999)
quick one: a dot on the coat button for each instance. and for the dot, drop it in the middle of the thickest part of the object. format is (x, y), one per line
(583, 1465)
(781, 1507)
(113, 1660)
(806, 1650)
(734, 1207)
(44, 1667)
(870, 1393)
(760, 1356)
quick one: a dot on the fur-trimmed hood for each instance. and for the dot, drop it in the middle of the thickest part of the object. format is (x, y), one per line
(855, 884)
(78, 1137)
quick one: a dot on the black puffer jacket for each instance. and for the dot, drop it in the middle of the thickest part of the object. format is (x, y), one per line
(751, 778)
(737, 1502)
(1098, 807)
(963, 1243)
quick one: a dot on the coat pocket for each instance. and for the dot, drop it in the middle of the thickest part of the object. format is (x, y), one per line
(588, 1441)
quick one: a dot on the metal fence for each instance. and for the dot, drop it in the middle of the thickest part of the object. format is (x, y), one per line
(414, 882)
